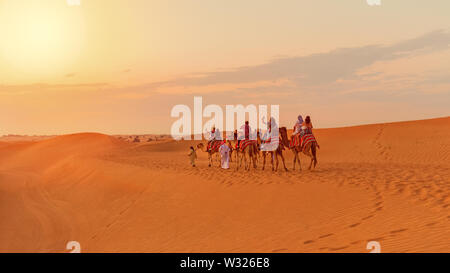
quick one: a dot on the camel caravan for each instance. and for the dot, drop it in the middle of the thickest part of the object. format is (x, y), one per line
(249, 147)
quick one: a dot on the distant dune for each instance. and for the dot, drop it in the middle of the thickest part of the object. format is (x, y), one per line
(384, 182)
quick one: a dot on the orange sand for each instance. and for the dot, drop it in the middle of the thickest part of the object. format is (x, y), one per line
(386, 182)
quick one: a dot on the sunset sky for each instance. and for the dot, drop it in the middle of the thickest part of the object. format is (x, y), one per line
(119, 66)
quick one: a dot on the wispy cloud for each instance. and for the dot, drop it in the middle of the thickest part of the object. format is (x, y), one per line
(330, 71)
(321, 68)
(24, 88)
(70, 75)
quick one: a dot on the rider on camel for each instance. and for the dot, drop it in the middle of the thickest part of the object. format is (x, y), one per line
(298, 127)
(307, 128)
(270, 140)
(244, 132)
(307, 125)
(213, 135)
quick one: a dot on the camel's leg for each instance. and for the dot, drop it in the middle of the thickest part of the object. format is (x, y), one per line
(250, 157)
(264, 160)
(238, 159)
(282, 159)
(247, 159)
(314, 153)
(298, 159)
(210, 159)
(253, 157)
(275, 155)
(258, 155)
(310, 155)
(272, 154)
(295, 157)
(241, 159)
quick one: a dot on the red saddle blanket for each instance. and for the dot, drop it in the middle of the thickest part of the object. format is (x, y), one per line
(308, 138)
(244, 143)
(296, 141)
(215, 145)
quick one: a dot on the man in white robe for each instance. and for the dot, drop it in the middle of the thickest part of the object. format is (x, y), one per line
(225, 156)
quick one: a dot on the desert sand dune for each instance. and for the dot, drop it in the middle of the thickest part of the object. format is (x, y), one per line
(385, 182)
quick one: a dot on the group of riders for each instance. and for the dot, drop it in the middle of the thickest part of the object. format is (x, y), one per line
(249, 143)
(300, 130)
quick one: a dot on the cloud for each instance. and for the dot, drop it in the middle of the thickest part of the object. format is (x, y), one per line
(317, 69)
(70, 75)
(324, 72)
(22, 88)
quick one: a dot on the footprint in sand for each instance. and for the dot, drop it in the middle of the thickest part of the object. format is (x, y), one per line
(279, 250)
(398, 231)
(368, 217)
(354, 225)
(326, 235)
(338, 248)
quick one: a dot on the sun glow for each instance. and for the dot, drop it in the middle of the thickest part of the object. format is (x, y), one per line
(40, 37)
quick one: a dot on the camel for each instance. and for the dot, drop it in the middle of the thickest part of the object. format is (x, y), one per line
(309, 150)
(295, 150)
(275, 154)
(203, 148)
(249, 153)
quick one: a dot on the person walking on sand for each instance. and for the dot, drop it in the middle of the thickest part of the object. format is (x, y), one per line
(193, 156)
(225, 156)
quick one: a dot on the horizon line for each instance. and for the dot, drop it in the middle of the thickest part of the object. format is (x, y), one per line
(168, 134)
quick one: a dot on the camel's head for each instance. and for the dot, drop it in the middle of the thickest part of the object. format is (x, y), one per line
(200, 146)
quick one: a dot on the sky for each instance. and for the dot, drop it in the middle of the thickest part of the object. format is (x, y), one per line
(118, 67)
